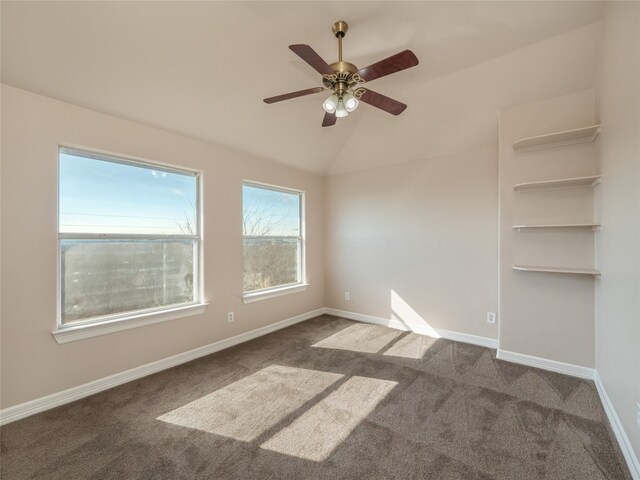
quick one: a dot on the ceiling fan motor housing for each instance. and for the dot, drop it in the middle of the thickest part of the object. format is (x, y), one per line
(343, 78)
(344, 67)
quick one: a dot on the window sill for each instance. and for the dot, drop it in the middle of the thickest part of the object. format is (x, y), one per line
(273, 292)
(79, 332)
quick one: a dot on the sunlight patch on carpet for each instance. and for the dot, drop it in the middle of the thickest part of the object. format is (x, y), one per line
(322, 428)
(410, 346)
(360, 338)
(249, 407)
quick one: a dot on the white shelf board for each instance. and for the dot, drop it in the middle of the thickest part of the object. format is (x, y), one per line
(566, 270)
(558, 139)
(575, 182)
(592, 226)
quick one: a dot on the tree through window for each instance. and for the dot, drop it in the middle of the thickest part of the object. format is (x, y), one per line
(272, 237)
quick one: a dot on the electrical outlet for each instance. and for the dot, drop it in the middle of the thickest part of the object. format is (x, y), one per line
(347, 296)
(230, 317)
(491, 317)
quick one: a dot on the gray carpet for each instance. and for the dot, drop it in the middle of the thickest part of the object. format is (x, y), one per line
(326, 399)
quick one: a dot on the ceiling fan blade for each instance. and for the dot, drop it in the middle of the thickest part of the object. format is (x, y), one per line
(387, 104)
(395, 63)
(329, 119)
(308, 54)
(287, 96)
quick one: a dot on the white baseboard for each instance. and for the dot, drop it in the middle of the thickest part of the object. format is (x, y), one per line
(546, 364)
(22, 410)
(411, 327)
(32, 407)
(589, 374)
(618, 430)
(16, 412)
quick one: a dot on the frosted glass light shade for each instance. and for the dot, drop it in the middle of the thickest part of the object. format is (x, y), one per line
(341, 110)
(331, 103)
(350, 102)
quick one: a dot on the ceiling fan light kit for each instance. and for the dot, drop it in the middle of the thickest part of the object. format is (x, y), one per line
(341, 111)
(345, 80)
(331, 103)
(350, 101)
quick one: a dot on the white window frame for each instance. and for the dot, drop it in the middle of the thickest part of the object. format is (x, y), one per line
(301, 283)
(105, 324)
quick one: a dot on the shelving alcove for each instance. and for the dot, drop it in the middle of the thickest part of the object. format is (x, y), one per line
(555, 140)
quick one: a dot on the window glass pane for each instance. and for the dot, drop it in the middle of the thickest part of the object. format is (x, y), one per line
(102, 196)
(102, 277)
(268, 212)
(270, 262)
(272, 237)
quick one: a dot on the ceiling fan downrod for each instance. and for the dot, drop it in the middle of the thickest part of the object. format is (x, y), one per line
(344, 82)
(339, 29)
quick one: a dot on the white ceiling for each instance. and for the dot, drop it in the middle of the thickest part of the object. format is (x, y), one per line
(202, 68)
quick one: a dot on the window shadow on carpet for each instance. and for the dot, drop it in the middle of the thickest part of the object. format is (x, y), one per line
(327, 398)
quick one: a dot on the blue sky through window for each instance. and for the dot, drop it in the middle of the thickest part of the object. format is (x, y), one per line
(101, 196)
(270, 212)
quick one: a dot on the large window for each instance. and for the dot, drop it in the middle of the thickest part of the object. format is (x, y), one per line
(129, 238)
(273, 240)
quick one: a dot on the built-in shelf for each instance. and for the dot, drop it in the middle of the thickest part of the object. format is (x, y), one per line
(566, 270)
(592, 226)
(576, 182)
(558, 139)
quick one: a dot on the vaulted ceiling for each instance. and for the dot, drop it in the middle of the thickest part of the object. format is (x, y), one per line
(202, 68)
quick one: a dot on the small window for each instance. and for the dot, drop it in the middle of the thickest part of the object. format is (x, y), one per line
(129, 238)
(273, 243)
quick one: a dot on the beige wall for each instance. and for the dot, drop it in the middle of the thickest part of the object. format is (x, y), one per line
(421, 234)
(456, 113)
(33, 364)
(427, 230)
(618, 205)
(544, 314)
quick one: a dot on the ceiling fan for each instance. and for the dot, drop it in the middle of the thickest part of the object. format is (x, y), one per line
(345, 80)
